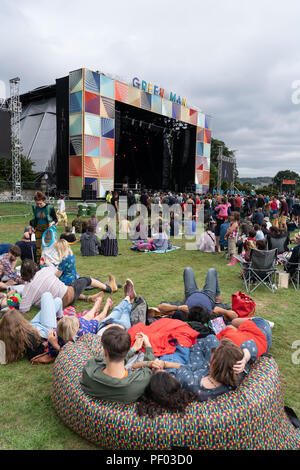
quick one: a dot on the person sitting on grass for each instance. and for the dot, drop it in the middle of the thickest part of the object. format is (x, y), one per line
(8, 262)
(45, 280)
(66, 270)
(68, 236)
(107, 378)
(89, 243)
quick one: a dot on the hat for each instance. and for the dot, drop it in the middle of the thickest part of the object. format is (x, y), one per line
(13, 301)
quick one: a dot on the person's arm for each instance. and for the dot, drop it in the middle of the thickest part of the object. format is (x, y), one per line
(228, 314)
(52, 338)
(239, 366)
(58, 273)
(53, 216)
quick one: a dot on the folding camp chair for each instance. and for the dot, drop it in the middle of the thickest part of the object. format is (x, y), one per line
(279, 243)
(261, 270)
(295, 275)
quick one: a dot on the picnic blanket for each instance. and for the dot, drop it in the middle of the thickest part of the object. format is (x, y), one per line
(173, 248)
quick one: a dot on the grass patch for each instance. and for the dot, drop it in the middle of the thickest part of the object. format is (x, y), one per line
(27, 418)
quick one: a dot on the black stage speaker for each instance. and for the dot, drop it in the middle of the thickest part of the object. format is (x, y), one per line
(5, 140)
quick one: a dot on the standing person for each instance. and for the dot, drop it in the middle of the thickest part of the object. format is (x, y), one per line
(61, 212)
(237, 203)
(44, 217)
(283, 214)
(273, 207)
(115, 203)
(222, 213)
(232, 236)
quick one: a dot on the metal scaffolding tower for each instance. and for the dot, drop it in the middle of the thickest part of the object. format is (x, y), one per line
(15, 107)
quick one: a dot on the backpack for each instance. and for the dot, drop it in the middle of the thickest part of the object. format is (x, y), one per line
(139, 311)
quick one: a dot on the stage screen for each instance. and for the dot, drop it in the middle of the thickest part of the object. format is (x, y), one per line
(227, 170)
(5, 142)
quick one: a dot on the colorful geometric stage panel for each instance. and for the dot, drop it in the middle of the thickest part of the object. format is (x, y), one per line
(156, 104)
(91, 146)
(91, 167)
(146, 101)
(92, 81)
(105, 185)
(75, 81)
(76, 102)
(76, 145)
(134, 96)
(75, 186)
(75, 124)
(107, 128)
(107, 167)
(92, 124)
(92, 103)
(75, 166)
(107, 147)
(107, 107)
(121, 92)
(176, 111)
(107, 87)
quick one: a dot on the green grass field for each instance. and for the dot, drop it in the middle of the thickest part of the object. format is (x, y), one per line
(27, 418)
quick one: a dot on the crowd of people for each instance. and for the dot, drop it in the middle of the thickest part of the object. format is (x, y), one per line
(191, 350)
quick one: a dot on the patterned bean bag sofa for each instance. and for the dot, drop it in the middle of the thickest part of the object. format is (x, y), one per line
(251, 417)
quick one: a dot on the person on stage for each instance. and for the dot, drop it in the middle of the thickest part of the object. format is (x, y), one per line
(44, 217)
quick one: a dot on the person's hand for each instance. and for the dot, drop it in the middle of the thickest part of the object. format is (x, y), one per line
(146, 341)
(139, 340)
(157, 364)
(11, 292)
(239, 366)
(52, 338)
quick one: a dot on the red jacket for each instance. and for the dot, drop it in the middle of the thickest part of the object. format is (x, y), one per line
(162, 331)
(245, 332)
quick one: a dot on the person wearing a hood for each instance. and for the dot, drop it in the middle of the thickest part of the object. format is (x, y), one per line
(89, 243)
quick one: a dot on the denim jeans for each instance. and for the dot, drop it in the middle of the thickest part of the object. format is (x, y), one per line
(45, 319)
(211, 287)
(120, 315)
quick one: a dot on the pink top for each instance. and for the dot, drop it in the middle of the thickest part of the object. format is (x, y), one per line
(223, 212)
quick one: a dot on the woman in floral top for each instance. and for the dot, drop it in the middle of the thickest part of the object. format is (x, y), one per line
(67, 266)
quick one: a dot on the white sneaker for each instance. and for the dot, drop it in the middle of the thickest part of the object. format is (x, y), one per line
(271, 323)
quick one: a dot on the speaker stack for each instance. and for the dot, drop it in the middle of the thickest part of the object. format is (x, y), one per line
(88, 193)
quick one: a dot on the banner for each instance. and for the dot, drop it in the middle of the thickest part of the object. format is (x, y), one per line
(288, 181)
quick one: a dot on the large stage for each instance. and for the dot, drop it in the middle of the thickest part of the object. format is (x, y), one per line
(90, 131)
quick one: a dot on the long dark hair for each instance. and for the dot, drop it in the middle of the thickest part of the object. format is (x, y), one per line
(164, 393)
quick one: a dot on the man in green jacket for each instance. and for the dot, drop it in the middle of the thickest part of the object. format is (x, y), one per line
(108, 379)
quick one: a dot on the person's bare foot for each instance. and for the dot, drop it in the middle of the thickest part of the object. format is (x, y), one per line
(129, 289)
(108, 304)
(98, 302)
(218, 299)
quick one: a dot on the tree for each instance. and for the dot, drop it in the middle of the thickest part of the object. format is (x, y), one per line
(27, 173)
(285, 175)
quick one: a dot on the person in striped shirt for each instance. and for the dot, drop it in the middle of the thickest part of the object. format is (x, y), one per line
(45, 280)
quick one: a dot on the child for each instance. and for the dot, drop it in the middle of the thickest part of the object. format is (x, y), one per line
(232, 236)
(67, 267)
(249, 244)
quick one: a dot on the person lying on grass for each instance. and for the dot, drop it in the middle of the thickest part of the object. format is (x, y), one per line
(208, 297)
(24, 338)
(70, 328)
(215, 367)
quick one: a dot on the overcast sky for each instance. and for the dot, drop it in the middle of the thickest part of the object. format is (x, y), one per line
(234, 59)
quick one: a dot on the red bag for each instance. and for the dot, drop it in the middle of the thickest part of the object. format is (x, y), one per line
(243, 305)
